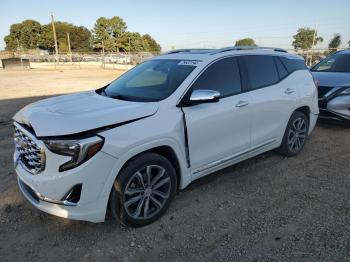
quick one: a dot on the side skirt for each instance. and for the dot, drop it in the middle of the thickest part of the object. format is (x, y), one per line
(230, 160)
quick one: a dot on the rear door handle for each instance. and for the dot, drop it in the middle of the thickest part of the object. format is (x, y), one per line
(289, 91)
(242, 103)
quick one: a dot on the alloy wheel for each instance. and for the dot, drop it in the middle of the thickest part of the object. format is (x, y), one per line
(297, 135)
(146, 192)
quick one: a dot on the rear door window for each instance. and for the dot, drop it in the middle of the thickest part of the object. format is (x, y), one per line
(261, 71)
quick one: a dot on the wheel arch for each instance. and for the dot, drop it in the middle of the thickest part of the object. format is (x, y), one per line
(169, 153)
(166, 151)
(168, 148)
(305, 110)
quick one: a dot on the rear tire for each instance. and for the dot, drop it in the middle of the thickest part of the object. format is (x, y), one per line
(143, 190)
(295, 134)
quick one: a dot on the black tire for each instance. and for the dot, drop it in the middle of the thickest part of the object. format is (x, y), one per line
(129, 177)
(286, 147)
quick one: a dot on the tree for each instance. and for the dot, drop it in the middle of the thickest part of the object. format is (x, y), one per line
(79, 37)
(23, 35)
(150, 44)
(132, 42)
(304, 39)
(109, 31)
(334, 43)
(349, 43)
(245, 42)
(30, 34)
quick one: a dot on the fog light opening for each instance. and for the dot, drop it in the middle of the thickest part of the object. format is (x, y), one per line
(73, 195)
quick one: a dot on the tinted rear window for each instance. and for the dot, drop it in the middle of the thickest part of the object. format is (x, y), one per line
(222, 76)
(261, 70)
(293, 64)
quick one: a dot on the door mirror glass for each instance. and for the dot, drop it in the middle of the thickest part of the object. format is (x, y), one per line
(204, 96)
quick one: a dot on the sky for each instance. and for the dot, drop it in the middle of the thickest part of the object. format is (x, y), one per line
(194, 23)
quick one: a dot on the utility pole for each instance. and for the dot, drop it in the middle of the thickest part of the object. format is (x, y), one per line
(103, 54)
(54, 35)
(313, 43)
(70, 51)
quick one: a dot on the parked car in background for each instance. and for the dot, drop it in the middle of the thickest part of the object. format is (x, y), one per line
(117, 59)
(123, 59)
(333, 76)
(90, 58)
(175, 118)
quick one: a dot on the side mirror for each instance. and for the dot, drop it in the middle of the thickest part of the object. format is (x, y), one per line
(204, 96)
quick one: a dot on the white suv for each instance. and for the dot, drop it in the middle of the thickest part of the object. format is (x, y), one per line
(132, 144)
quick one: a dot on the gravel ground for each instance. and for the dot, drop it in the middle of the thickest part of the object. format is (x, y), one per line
(268, 208)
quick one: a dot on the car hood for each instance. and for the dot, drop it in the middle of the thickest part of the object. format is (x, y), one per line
(332, 79)
(80, 112)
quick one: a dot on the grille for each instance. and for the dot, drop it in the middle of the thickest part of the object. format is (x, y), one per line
(30, 154)
(322, 90)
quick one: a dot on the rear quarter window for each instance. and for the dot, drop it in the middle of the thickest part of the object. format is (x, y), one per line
(282, 70)
(292, 64)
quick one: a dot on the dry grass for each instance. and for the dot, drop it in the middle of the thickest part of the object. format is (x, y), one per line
(33, 83)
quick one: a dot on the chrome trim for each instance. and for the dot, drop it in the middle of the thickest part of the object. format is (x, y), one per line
(33, 150)
(239, 48)
(242, 103)
(41, 197)
(204, 95)
(339, 114)
(232, 157)
(53, 201)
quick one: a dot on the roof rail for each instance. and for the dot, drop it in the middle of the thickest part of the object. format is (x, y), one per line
(190, 50)
(232, 48)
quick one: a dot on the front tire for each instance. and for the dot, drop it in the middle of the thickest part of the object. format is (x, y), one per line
(295, 134)
(143, 190)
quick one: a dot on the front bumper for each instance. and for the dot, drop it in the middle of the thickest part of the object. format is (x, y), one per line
(329, 115)
(47, 190)
(335, 108)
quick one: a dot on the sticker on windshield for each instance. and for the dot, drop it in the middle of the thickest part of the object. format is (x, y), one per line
(189, 62)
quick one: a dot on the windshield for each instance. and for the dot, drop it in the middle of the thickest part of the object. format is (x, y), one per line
(150, 81)
(335, 63)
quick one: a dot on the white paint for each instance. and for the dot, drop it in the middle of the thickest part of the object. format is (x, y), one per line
(218, 133)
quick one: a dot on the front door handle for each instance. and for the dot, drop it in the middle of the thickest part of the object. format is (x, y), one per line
(289, 91)
(242, 103)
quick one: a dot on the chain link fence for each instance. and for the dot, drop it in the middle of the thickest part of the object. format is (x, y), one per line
(43, 59)
(124, 61)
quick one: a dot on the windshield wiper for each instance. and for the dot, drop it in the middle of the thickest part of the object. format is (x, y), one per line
(120, 97)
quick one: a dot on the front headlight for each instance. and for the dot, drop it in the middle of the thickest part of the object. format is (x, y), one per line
(346, 91)
(79, 150)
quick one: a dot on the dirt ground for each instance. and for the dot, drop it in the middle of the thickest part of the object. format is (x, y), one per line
(268, 208)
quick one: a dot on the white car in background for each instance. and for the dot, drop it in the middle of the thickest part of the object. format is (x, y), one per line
(118, 59)
(124, 59)
(132, 144)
